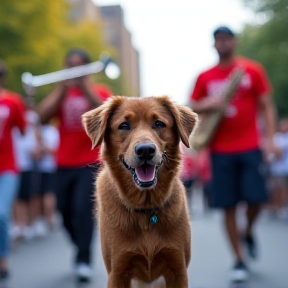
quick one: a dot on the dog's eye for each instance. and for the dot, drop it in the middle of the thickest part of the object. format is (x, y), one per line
(124, 126)
(159, 124)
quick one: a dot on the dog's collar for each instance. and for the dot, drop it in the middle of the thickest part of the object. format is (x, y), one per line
(153, 211)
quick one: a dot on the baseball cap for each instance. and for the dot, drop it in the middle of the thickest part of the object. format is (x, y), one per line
(224, 29)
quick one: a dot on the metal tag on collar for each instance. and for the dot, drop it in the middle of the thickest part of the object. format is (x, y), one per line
(154, 219)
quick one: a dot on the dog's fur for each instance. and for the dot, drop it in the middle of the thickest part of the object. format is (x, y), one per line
(132, 247)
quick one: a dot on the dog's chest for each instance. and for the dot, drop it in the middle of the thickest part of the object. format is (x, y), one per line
(149, 244)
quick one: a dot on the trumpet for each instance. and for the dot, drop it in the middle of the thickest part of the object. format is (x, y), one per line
(105, 63)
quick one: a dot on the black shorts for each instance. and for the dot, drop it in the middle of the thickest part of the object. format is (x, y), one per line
(27, 185)
(238, 177)
(188, 185)
(46, 183)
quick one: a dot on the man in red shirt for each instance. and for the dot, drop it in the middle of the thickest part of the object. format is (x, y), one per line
(237, 164)
(77, 162)
(11, 116)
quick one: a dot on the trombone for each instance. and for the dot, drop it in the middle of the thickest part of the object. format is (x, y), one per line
(105, 63)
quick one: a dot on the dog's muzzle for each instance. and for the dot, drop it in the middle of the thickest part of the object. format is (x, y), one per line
(145, 174)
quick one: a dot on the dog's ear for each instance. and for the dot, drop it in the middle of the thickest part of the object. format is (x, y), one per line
(187, 123)
(96, 120)
(186, 120)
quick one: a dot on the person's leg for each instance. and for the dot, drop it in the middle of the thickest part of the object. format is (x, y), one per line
(35, 198)
(21, 211)
(282, 199)
(83, 214)
(47, 198)
(225, 195)
(8, 190)
(254, 190)
(188, 187)
(64, 189)
(49, 208)
(252, 213)
(207, 195)
(232, 232)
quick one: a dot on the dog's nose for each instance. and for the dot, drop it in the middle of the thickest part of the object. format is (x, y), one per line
(145, 151)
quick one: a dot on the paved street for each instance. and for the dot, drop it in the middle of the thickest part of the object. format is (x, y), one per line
(47, 263)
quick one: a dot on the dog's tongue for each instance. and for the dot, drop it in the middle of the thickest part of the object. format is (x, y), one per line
(145, 173)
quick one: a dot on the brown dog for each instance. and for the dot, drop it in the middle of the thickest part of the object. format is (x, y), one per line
(142, 210)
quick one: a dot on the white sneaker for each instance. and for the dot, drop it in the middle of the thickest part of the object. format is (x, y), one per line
(40, 228)
(239, 272)
(83, 272)
(29, 233)
(16, 232)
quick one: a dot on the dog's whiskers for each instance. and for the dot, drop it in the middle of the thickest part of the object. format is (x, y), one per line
(165, 156)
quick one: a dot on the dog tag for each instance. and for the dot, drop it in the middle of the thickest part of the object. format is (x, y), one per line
(154, 219)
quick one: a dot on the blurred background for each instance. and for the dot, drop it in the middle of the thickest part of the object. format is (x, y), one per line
(160, 46)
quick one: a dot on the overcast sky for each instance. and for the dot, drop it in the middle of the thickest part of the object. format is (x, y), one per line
(174, 39)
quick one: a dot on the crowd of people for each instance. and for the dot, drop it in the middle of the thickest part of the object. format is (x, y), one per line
(47, 165)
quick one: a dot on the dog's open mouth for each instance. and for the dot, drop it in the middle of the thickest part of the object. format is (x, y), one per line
(145, 176)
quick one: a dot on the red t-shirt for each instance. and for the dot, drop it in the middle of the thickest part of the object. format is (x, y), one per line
(238, 130)
(75, 146)
(11, 115)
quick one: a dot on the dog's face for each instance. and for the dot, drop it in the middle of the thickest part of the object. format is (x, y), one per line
(140, 138)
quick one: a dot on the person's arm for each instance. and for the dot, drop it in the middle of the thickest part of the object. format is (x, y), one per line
(51, 140)
(200, 102)
(49, 106)
(268, 112)
(208, 104)
(85, 85)
(19, 119)
(267, 108)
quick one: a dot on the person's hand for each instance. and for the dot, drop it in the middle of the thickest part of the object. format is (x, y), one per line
(37, 154)
(272, 151)
(82, 82)
(215, 103)
(64, 85)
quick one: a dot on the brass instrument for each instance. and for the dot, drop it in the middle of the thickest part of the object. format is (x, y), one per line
(209, 122)
(105, 64)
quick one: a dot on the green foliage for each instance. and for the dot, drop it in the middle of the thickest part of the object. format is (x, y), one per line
(268, 43)
(35, 36)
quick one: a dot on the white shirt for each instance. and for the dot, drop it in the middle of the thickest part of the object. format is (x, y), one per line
(280, 167)
(50, 139)
(24, 145)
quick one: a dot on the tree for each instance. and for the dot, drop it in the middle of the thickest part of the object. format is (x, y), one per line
(35, 36)
(267, 42)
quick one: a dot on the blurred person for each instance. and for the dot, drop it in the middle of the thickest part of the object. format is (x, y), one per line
(195, 173)
(188, 170)
(204, 175)
(236, 159)
(25, 206)
(44, 154)
(77, 163)
(11, 116)
(279, 172)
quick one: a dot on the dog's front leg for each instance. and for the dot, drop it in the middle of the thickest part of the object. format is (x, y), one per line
(176, 280)
(119, 281)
